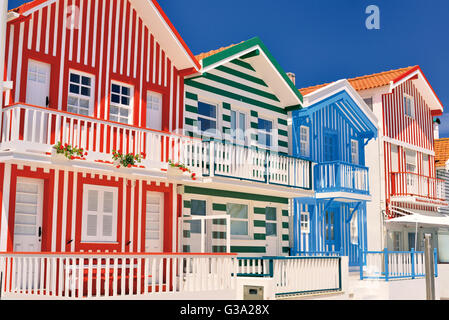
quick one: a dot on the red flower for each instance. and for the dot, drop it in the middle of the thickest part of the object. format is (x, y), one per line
(193, 175)
(118, 167)
(61, 147)
(129, 165)
(85, 154)
(72, 158)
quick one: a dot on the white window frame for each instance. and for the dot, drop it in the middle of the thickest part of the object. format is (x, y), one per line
(409, 105)
(99, 238)
(304, 143)
(272, 134)
(249, 220)
(79, 96)
(120, 105)
(149, 105)
(354, 228)
(305, 223)
(355, 155)
(414, 163)
(238, 112)
(217, 119)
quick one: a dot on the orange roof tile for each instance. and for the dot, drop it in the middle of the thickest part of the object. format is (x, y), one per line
(366, 82)
(204, 55)
(441, 151)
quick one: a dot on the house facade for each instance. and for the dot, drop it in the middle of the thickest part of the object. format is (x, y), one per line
(104, 77)
(332, 131)
(238, 104)
(442, 168)
(408, 188)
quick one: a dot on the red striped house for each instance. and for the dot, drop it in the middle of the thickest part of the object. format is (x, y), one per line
(101, 76)
(404, 181)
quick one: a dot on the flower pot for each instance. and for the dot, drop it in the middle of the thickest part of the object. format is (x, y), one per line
(58, 157)
(177, 172)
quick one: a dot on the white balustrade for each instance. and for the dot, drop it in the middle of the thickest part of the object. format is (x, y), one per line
(111, 275)
(411, 184)
(340, 176)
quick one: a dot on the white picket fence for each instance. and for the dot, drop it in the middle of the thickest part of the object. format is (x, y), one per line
(296, 275)
(388, 265)
(117, 276)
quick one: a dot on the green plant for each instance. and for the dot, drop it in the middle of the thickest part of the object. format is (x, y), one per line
(126, 160)
(69, 151)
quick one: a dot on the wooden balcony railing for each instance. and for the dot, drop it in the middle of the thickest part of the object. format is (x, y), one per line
(28, 128)
(412, 184)
(341, 177)
(82, 276)
(255, 164)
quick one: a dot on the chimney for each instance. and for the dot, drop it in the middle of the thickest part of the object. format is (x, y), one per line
(436, 129)
(292, 77)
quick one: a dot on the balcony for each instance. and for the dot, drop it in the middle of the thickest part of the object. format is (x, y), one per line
(30, 132)
(342, 180)
(414, 188)
(256, 165)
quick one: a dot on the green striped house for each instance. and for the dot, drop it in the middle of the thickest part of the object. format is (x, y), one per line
(243, 97)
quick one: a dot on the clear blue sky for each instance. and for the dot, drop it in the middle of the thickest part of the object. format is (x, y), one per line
(325, 40)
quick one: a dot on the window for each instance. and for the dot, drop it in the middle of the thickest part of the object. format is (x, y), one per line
(394, 158)
(354, 152)
(154, 111)
(409, 105)
(369, 103)
(410, 159)
(238, 126)
(80, 97)
(120, 109)
(396, 239)
(426, 168)
(99, 214)
(271, 222)
(355, 229)
(239, 219)
(197, 208)
(207, 117)
(305, 222)
(305, 141)
(265, 132)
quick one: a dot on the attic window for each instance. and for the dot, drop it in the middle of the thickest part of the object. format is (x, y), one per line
(369, 103)
(409, 105)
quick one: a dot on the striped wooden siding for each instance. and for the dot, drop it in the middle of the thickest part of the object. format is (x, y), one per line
(108, 40)
(217, 202)
(62, 210)
(315, 240)
(236, 84)
(330, 119)
(444, 175)
(417, 131)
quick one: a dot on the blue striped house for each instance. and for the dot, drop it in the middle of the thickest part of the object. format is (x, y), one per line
(332, 131)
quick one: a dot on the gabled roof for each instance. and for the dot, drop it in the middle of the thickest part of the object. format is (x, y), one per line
(152, 15)
(366, 82)
(257, 54)
(393, 78)
(441, 152)
(349, 103)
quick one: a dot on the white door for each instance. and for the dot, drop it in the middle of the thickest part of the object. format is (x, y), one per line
(272, 232)
(154, 222)
(28, 215)
(38, 83)
(154, 111)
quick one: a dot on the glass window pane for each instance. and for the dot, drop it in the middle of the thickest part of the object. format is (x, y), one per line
(271, 214)
(85, 91)
(206, 124)
(74, 78)
(107, 226)
(74, 89)
(126, 91)
(86, 81)
(195, 227)
(271, 229)
(238, 211)
(239, 228)
(198, 208)
(207, 110)
(115, 88)
(115, 98)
